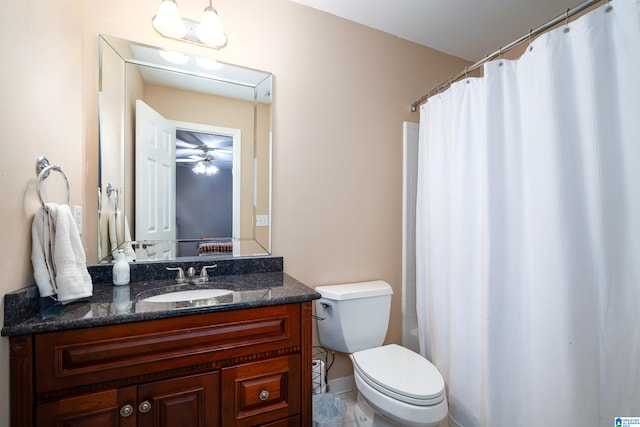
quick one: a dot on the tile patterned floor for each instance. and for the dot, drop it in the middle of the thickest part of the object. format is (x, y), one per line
(349, 399)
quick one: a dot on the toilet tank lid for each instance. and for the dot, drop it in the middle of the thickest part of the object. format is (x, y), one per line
(355, 290)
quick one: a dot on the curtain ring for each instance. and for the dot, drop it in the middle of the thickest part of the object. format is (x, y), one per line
(609, 8)
(501, 63)
(530, 39)
(566, 23)
(466, 74)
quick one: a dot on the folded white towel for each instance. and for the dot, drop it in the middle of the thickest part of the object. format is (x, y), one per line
(57, 255)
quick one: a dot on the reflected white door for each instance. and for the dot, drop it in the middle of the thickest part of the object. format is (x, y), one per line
(155, 182)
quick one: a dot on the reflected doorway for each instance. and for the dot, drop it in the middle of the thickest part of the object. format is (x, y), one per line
(207, 186)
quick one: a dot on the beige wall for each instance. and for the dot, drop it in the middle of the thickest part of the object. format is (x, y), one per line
(341, 92)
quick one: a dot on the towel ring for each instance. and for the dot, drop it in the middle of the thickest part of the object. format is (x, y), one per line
(43, 168)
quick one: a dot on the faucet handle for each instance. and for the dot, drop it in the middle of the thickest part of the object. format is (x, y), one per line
(180, 276)
(204, 275)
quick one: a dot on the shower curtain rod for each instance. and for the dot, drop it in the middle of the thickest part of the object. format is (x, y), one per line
(529, 36)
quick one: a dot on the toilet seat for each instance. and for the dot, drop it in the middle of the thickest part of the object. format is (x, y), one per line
(400, 374)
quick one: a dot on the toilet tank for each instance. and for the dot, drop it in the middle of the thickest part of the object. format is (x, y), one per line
(353, 316)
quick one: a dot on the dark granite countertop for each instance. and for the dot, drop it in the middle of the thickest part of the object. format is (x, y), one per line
(111, 305)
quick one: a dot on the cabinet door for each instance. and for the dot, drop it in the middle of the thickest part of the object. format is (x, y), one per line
(260, 392)
(186, 402)
(111, 408)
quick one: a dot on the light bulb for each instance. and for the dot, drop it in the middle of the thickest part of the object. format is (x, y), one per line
(210, 29)
(168, 20)
(212, 170)
(199, 168)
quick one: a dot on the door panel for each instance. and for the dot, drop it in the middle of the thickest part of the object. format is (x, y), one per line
(104, 409)
(155, 182)
(185, 402)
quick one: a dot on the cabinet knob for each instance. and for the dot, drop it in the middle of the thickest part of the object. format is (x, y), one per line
(264, 395)
(126, 410)
(144, 407)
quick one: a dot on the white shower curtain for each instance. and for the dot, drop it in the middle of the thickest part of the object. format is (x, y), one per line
(528, 231)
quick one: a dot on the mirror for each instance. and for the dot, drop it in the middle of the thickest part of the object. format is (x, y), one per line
(185, 155)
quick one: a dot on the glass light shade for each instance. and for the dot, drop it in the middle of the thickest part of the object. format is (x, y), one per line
(168, 20)
(211, 170)
(210, 29)
(199, 168)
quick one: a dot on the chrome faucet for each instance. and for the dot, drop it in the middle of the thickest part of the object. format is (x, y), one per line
(180, 276)
(204, 275)
(191, 274)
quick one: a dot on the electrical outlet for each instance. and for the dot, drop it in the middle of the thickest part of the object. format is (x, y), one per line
(262, 220)
(77, 216)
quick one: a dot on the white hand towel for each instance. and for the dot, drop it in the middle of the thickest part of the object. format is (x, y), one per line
(41, 253)
(67, 262)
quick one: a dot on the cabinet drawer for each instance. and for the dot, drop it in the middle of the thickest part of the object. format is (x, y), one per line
(260, 392)
(126, 353)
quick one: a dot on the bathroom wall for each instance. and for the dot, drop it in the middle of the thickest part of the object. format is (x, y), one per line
(341, 90)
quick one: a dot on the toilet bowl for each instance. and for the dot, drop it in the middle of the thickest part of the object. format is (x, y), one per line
(396, 387)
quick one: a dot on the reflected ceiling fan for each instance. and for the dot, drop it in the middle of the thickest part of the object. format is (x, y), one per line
(203, 159)
(207, 153)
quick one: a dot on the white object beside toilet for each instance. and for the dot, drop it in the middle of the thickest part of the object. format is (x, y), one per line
(396, 387)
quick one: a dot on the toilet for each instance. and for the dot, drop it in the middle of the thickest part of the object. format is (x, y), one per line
(396, 387)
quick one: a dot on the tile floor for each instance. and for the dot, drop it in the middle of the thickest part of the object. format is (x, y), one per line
(349, 398)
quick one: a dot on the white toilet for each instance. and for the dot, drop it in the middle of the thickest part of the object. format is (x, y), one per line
(396, 387)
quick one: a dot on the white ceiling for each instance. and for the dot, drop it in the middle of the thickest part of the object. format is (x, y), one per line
(469, 29)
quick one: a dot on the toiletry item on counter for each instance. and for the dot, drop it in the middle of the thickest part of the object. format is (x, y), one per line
(121, 272)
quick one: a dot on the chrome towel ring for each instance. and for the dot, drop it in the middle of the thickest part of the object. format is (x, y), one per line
(43, 168)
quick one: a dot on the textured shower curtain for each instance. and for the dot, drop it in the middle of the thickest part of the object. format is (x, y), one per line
(528, 231)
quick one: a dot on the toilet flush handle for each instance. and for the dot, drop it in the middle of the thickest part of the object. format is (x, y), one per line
(325, 306)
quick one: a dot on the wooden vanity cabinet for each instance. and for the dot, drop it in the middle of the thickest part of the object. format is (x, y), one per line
(247, 367)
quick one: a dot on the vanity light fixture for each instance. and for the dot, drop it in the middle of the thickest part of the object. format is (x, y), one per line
(208, 32)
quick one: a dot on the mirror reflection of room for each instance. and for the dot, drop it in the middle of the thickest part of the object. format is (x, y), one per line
(153, 110)
(204, 192)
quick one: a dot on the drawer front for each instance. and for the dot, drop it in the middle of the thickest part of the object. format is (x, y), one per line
(260, 392)
(132, 351)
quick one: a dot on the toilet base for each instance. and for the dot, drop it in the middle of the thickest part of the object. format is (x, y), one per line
(366, 416)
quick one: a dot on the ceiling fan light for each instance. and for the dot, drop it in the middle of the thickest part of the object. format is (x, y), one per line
(168, 20)
(210, 29)
(211, 170)
(199, 168)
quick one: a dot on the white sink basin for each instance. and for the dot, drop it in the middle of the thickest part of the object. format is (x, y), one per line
(190, 295)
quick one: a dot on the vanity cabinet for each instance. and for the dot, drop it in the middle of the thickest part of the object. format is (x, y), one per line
(191, 401)
(245, 367)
